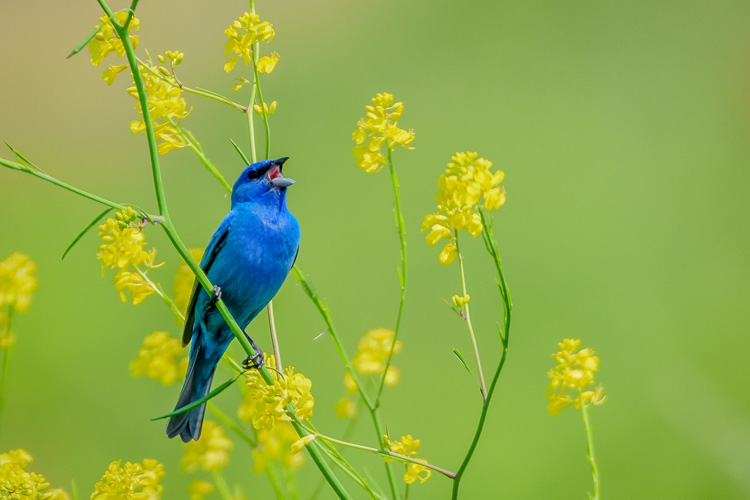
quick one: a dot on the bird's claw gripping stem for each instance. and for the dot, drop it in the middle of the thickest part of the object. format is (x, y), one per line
(215, 297)
(256, 360)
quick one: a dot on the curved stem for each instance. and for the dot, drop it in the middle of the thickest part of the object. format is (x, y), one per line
(467, 313)
(402, 274)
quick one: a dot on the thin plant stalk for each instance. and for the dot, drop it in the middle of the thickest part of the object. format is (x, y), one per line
(6, 358)
(591, 454)
(467, 315)
(402, 273)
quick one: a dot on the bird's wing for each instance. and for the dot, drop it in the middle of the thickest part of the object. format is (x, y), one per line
(212, 250)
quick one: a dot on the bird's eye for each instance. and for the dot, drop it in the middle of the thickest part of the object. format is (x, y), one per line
(255, 174)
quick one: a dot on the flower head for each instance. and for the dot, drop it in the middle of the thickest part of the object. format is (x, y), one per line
(166, 105)
(16, 483)
(243, 33)
(199, 489)
(372, 354)
(378, 128)
(210, 452)
(466, 185)
(571, 378)
(157, 359)
(264, 405)
(106, 40)
(408, 447)
(17, 281)
(132, 481)
(124, 249)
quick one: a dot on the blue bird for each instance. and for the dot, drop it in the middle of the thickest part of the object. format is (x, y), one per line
(247, 260)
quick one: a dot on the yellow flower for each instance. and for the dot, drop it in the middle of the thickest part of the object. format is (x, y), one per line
(184, 280)
(165, 103)
(264, 404)
(466, 184)
(133, 481)
(373, 351)
(275, 444)
(17, 281)
(124, 249)
(346, 408)
(110, 73)
(210, 452)
(574, 372)
(199, 489)
(266, 64)
(269, 109)
(301, 443)
(408, 447)
(243, 33)
(18, 484)
(106, 40)
(461, 300)
(379, 127)
(157, 359)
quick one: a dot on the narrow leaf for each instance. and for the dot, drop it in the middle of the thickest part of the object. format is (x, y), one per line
(462, 360)
(239, 151)
(212, 93)
(22, 159)
(202, 400)
(85, 230)
(84, 43)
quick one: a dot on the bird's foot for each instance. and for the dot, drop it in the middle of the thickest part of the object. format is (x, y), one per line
(215, 297)
(256, 360)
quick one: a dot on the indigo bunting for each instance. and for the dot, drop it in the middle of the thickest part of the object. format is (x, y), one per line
(247, 260)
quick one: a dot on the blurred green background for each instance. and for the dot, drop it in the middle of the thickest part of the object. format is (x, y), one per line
(623, 128)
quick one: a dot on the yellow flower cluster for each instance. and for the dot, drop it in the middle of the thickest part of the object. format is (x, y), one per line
(198, 489)
(210, 452)
(106, 40)
(243, 33)
(371, 357)
(574, 372)
(276, 444)
(408, 446)
(183, 282)
(264, 405)
(165, 102)
(380, 126)
(18, 484)
(157, 359)
(123, 249)
(466, 184)
(17, 281)
(133, 481)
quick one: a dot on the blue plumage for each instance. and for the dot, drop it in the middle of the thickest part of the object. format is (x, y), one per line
(248, 258)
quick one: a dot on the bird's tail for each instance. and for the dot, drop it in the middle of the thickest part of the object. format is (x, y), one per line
(197, 384)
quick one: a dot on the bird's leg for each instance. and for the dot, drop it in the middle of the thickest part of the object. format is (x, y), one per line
(215, 297)
(256, 360)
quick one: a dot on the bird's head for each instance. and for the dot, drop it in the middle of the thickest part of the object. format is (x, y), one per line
(262, 182)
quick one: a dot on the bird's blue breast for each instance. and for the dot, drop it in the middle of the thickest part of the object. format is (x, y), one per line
(253, 263)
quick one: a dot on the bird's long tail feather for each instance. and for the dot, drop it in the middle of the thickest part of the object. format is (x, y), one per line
(197, 384)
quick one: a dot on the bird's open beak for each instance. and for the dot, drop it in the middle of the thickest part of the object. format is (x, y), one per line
(276, 177)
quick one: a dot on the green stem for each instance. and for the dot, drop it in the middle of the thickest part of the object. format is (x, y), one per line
(261, 103)
(591, 454)
(467, 314)
(6, 357)
(275, 483)
(221, 485)
(21, 168)
(505, 339)
(323, 310)
(158, 290)
(402, 274)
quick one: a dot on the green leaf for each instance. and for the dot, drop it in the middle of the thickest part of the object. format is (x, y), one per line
(202, 400)
(239, 151)
(84, 43)
(462, 360)
(22, 159)
(86, 229)
(212, 93)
